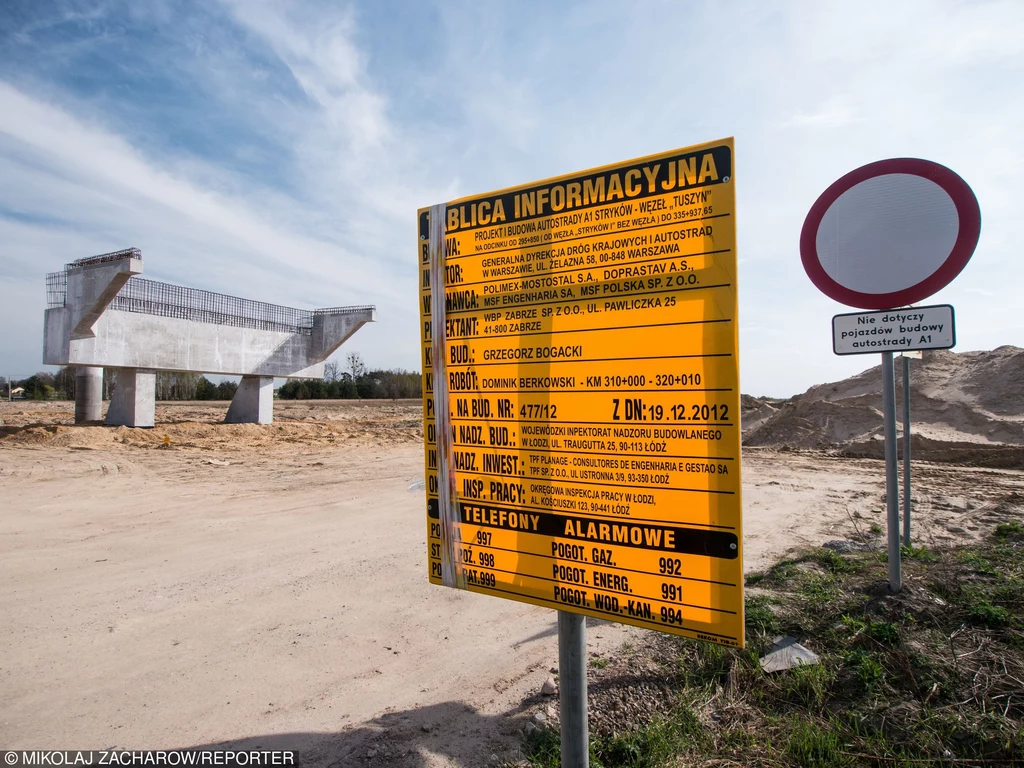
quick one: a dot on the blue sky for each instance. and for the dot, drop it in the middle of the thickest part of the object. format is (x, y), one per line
(279, 151)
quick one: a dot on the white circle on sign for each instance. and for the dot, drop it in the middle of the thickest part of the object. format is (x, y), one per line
(890, 233)
(881, 235)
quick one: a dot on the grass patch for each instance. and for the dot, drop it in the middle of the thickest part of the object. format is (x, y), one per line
(811, 744)
(884, 632)
(865, 668)
(983, 613)
(833, 562)
(917, 553)
(930, 676)
(759, 616)
(1013, 529)
(544, 748)
(651, 746)
(783, 570)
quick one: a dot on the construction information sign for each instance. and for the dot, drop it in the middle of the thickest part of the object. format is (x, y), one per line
(581, 396)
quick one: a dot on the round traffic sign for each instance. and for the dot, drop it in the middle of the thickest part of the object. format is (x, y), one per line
(890, 233)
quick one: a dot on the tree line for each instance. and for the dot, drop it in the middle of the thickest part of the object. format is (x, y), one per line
(357, 382)
(170, 385)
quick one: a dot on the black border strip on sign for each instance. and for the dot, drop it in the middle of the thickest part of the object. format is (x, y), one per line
(575, 452)
(583, 330)
(603, 423)
(698, 542)
(589, 564)
(595, 515)
(623, 296)
(587, 360)
(588, 267)
(592, 588)
(575, 481)
(663, 390)
(721, 151)
(593, 235)
(590, 610)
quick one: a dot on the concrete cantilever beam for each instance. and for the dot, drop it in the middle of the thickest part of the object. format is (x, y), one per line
(102, 316)
(254, 400)
(332, 327)
(92, 286)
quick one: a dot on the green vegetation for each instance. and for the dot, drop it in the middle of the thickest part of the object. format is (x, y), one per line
(384, 385)
(170, 385)
(355, 382)
(1013, 529)
(917, 553)
(931, 676)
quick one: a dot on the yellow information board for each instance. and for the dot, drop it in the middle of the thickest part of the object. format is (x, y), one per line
(581, 393)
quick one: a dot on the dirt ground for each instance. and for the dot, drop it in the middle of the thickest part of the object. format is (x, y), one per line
(202, 583)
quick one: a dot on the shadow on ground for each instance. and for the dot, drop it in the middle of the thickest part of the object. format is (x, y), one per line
(447, 734)
(553, 630)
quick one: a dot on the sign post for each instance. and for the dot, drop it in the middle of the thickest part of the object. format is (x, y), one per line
(906, 449)
(581, 401)
(572, 689)
(882, 237)
(892, 497)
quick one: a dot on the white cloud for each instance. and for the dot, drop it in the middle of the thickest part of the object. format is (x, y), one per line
(98, 193)
(365, 131)
(835, 112)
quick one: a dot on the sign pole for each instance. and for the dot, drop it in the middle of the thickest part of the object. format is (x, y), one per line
(892, 498)
(906, 451)
(572, 685)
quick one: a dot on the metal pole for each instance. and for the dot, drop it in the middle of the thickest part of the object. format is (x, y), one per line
(572, 684)
(892, 483)
(906, 451)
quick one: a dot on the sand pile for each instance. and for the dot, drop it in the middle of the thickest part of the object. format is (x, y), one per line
(194, 425)
(965, 407)
(755, 411)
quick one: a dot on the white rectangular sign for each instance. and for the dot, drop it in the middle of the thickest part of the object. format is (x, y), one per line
(894, 330)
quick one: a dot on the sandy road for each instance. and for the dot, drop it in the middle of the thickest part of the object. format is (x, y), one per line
(183, 596)
(154, 599)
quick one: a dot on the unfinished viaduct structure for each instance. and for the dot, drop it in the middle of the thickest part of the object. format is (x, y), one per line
(101, 314)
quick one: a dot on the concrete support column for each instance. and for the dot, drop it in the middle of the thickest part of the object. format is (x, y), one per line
(253, 402)
(88, 394)
(133, 403)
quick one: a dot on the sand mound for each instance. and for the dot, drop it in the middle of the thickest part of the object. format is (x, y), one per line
(755, 411)
(965, 407)
(200, 426)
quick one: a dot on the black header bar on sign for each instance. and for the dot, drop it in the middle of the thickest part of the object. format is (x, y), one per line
(621, 533)
(559, 197)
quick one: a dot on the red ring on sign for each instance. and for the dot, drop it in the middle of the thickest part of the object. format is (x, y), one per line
(966, 239)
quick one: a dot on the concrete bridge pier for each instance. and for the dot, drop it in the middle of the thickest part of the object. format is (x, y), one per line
(88, 394)
(253, 402)
(133, 403)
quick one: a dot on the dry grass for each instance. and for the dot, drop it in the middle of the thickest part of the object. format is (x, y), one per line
(931, 676)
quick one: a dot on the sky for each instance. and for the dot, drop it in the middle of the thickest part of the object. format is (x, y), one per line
(279, 151)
